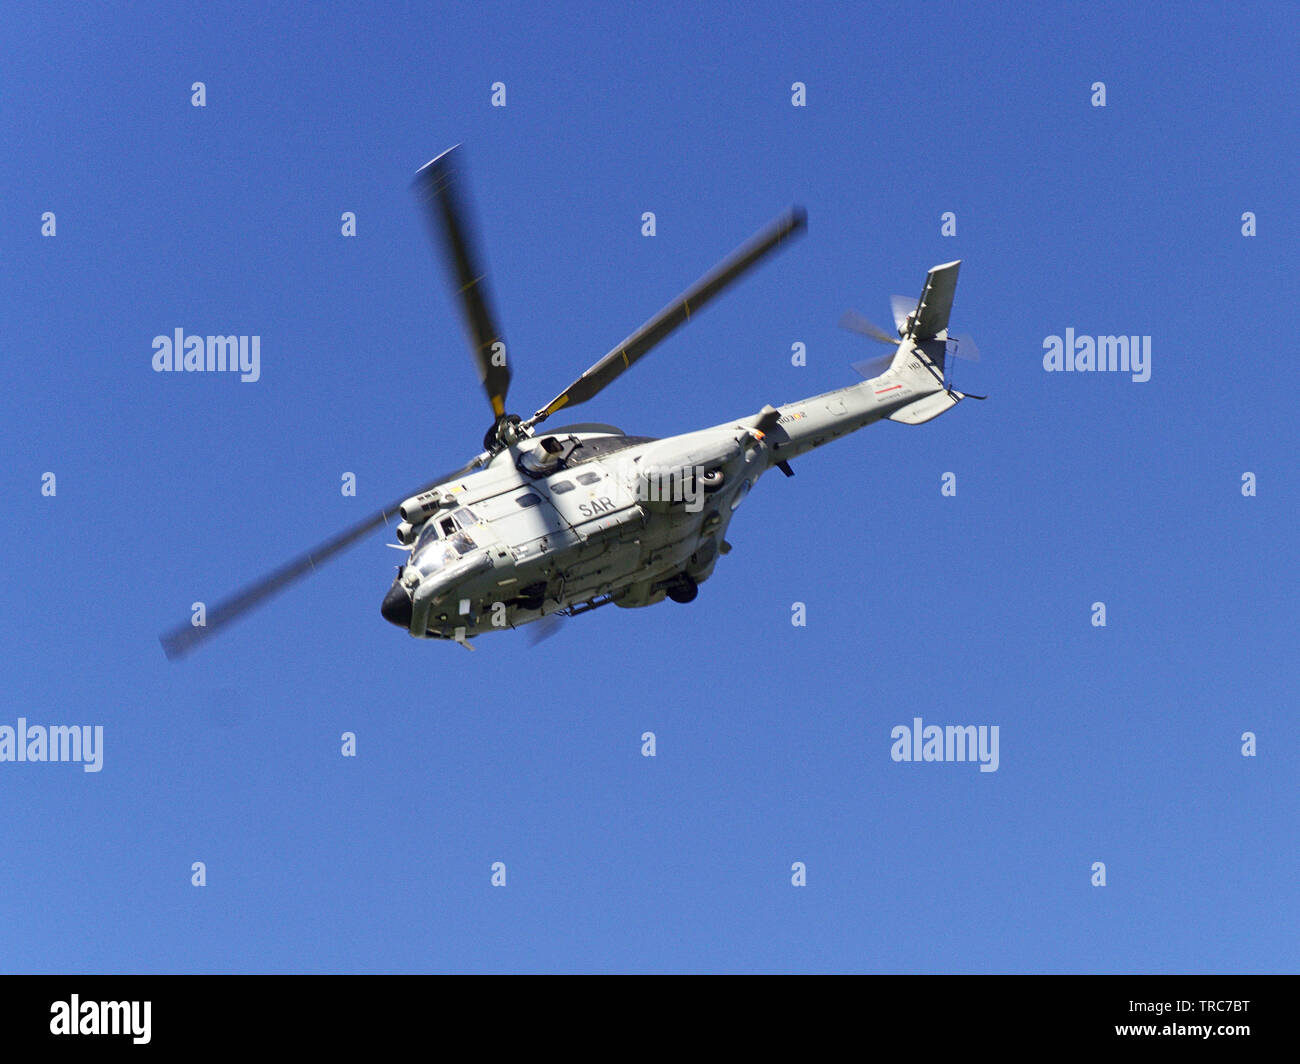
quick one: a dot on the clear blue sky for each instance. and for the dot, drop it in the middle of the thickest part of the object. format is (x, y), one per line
(1118, 744)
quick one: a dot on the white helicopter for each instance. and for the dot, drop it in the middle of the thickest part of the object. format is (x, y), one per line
(559, 522)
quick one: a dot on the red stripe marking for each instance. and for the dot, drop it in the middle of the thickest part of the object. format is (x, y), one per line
(884, 390)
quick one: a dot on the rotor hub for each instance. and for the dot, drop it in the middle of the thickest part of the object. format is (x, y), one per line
(504, 432)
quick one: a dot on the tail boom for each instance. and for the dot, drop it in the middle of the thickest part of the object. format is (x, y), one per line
(911, 391)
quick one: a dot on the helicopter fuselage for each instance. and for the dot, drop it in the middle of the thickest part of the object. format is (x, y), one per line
(580, 517)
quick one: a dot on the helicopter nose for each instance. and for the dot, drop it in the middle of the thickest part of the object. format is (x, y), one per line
(397, 606)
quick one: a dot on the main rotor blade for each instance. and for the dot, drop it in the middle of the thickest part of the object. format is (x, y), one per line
(449, 221)
(184, 638)
(544, 627)
(679, 310)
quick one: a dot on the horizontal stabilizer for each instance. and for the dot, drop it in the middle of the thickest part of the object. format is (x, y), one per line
(925, 409)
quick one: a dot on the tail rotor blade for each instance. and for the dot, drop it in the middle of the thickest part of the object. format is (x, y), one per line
(855, 322)
(963, 346)
(873, 367)
(901, 306)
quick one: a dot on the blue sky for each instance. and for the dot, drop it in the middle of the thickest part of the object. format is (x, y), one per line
(1119, 744)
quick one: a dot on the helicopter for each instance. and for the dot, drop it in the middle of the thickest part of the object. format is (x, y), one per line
(543, 524)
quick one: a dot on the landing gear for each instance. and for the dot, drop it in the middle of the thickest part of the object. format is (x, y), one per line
(683, 589)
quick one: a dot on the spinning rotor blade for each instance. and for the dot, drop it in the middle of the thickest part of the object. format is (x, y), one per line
(855, 322)
(963, 346)
(186, 637)
(449, 222)
(544, 627)
(873, 367)
(678, 311)
(901, 306)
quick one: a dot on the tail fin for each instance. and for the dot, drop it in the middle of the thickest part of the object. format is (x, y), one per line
(920, 357)
(929, 321)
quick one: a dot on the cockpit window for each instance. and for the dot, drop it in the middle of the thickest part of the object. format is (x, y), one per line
(430, 531)
(432, 554)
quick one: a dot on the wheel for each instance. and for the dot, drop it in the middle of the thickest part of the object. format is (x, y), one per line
(684, 589)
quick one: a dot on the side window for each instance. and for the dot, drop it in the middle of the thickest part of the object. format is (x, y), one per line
(528, 500)
(560, 487)
(588, 478)
(447, 525)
